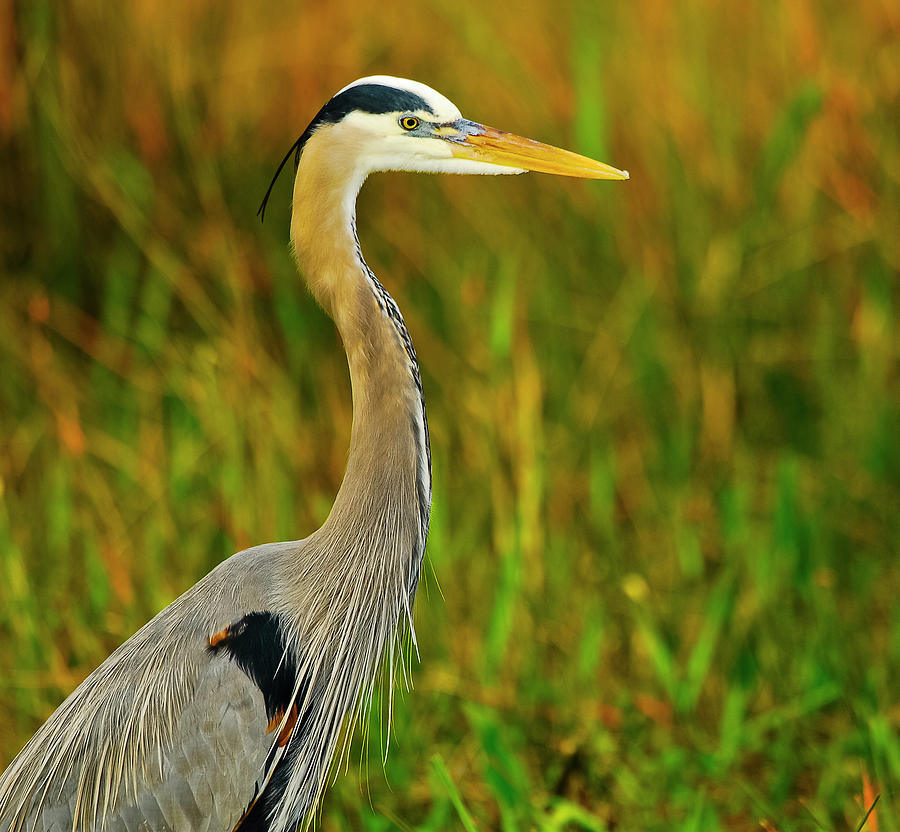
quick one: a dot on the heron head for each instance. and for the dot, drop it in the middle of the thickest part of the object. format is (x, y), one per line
(384, 123)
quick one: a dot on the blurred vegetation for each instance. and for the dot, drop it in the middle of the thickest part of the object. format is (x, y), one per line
(663, 575)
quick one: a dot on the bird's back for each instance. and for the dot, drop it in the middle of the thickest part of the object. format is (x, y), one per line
(169, 733)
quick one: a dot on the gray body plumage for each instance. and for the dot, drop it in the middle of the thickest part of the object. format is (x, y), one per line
(167, 736)
(160, 736)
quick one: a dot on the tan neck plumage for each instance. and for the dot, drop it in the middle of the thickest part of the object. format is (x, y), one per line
(385, 464)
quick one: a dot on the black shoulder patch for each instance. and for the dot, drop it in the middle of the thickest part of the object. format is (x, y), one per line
(366, 98)
(257, 645)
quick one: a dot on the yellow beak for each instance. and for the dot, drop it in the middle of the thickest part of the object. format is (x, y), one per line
(470, 140)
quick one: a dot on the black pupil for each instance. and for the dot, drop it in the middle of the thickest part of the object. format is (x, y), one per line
(410, 123)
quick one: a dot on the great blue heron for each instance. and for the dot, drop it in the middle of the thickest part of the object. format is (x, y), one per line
(226, 709)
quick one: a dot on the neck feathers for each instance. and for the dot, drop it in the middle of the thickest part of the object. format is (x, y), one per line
(388, 476)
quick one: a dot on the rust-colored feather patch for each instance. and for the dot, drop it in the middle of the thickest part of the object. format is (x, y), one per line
(289, 725)
(219, 638)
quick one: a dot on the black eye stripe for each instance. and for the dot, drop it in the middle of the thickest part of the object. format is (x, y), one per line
(371, 98)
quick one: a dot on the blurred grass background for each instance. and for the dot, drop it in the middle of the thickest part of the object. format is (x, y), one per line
(662, 578)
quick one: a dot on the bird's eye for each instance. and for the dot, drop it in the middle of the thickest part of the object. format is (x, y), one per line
(409, 122)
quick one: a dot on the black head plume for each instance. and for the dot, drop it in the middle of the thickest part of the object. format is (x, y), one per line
(296, 149)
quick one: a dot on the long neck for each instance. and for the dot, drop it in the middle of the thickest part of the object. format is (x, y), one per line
(386, 492)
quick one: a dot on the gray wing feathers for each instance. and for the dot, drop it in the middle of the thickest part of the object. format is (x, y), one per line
(162, 737)
(209, 772)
